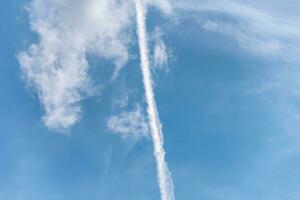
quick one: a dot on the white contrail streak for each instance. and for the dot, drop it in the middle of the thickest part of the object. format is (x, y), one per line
(163, 173)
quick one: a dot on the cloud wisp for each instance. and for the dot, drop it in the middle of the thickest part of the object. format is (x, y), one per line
(129, 124)
(161, 53)
(57, 66)
(163, 173)
(261, 28)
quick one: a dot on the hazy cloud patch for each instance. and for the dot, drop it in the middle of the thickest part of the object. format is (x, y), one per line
(129, 123)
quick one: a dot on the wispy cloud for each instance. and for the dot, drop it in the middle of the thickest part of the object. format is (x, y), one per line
(265, 29)
(129, 123)
(161, 53)
(57, 65)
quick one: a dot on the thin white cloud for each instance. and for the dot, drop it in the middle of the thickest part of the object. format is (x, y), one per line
(57, 65)
(68, 30)
(265, 29)
(160, 53)
(129, 123)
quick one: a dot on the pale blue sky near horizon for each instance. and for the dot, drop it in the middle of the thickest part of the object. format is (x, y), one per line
(230, 113)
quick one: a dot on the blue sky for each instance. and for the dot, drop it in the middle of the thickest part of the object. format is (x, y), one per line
(227, 95)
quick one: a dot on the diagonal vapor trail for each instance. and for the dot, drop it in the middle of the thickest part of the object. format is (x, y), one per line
(163, 173)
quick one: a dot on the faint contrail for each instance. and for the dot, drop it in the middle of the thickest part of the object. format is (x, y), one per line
(163, 173)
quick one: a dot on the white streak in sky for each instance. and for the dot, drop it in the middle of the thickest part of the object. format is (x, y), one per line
(164, 176)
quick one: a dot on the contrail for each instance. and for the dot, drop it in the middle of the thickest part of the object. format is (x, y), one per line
(163, 173)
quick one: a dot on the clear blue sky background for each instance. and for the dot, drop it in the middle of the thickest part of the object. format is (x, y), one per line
(230, 117)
